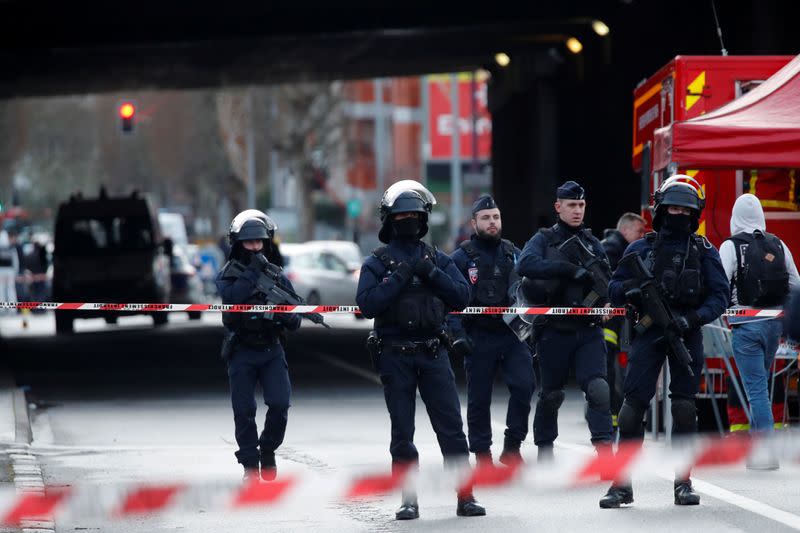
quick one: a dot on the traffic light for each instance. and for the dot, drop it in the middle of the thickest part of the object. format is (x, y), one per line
(127, 114)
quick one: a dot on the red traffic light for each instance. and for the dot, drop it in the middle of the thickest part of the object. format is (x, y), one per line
(127, 110)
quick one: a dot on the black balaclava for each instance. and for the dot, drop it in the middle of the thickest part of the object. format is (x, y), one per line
(678, 223)
(243, 255)
(406, 228)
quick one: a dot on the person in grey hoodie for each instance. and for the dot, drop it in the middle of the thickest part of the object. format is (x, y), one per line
(755, 339)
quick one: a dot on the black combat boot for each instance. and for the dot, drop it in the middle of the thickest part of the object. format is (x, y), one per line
(616, 496)
(251, 476)
(484, 459)
(268, 469)
(685, 494)
(511, 455)
(409, 508)
(545, 453)
(467, 506)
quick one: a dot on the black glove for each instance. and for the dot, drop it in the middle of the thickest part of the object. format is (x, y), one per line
(404, 271)
(634, 296)
(680, 325)
(424, 267)
(258, 262)
(462, 346)
(583, 276)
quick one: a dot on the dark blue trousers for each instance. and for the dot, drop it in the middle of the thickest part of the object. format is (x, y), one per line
(269, 368)
(557, 350)
(401, 375)
(648, 353)
(493, 351)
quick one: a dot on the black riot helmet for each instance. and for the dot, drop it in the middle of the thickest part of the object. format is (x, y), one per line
(682, 191)
(251, 225)
(405, 196)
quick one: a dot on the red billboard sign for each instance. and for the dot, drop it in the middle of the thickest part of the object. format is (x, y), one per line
(440, 117)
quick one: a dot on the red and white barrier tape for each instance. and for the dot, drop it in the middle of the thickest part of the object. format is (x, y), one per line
(342, 309)
(569, 471)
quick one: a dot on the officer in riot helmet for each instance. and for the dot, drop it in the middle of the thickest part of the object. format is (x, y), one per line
(487, 343)
(569, 262)
(408, 287)
(253, 346)
(692, 284)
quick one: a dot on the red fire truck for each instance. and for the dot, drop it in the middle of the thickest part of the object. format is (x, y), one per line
(688, 87)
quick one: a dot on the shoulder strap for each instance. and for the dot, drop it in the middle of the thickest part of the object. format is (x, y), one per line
(508, 248)
(549, 235)
(701, 242)
(230, 270)
(382, 254)
(469, 249)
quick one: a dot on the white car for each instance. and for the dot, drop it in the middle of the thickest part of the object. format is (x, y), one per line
(319, 275)
(347, 251)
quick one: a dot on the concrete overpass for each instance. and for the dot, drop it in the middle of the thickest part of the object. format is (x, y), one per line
(555, 115)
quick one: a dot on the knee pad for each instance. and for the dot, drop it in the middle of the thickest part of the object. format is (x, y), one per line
(551, 400)
(631, 420)
(684, 415)
(598, 395)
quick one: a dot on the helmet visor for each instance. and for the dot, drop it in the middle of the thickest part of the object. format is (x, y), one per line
(415, 187)
(250, 214)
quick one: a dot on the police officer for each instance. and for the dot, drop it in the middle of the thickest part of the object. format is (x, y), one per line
(408, 287)
(488, 262)
(563, 341)
(256, 354)
(630, 228)
(690, 275)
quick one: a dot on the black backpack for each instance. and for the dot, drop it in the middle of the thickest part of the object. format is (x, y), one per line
(761, 276)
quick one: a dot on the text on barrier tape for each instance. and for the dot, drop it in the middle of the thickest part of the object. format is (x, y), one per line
(342, 309)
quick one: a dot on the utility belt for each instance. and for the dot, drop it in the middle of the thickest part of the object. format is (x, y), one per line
(257, 340)
(377, 346)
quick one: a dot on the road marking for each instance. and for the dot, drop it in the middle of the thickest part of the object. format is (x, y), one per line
(748, 504)
(349, 367)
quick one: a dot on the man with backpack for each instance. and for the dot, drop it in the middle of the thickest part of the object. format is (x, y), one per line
(760, 269)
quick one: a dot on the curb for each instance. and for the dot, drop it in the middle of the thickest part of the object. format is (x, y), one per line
(26, 472)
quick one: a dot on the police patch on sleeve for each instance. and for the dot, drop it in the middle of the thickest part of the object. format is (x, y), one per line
(473, 275)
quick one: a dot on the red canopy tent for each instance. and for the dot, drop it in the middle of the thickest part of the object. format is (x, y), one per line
(758, 130)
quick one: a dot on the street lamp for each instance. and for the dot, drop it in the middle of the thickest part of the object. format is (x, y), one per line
(600, 28)
(502, 59)
(574, 45)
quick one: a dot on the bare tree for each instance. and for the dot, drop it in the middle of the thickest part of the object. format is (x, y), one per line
(309, 133)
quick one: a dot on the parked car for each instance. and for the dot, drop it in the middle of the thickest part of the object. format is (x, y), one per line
(347, 251)
(108, 249)
(319, 275)
(186, 285)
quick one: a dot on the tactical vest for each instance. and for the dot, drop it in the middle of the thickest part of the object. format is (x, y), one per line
(678, 272)
(252, 329)
(490, 284)
(761, 276)
(417, 310)
(567, 293)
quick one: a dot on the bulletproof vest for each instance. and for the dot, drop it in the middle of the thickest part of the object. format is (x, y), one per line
(490, 282)
(678, 270)
(417, 310)
(251, 328)
(567, 293)
(761, 276)
(6, 257)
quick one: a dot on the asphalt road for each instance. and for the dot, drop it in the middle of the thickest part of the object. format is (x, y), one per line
(130, 402)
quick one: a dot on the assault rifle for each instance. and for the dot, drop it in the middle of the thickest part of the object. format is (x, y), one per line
(577, 252)
(268, 284)
(655, 311)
